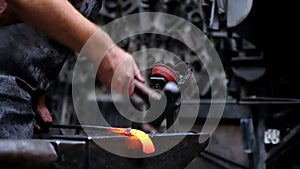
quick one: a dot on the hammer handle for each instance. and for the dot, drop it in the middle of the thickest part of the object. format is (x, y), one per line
(144, 91)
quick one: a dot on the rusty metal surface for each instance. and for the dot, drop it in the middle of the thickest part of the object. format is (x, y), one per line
(26, 154)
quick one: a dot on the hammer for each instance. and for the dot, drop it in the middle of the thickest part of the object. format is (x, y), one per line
(146, 92)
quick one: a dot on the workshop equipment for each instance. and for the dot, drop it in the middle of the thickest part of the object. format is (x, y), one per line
(145, 140)
(147, 148)
(82, 152)
(79, 151)
(164, 78)
(252, 60)
(26, 154)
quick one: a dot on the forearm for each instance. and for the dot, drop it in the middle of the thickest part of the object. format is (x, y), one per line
(60, 20)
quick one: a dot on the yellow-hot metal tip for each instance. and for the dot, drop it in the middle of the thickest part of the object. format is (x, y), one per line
(148, 146)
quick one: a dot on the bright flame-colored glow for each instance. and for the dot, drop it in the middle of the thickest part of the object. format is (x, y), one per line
(147, 144)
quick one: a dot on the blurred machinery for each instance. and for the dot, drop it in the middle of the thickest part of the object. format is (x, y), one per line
(260, 124)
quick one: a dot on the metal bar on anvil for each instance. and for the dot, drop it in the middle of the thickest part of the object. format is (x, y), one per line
(81, 127)
(98, 129)
(177, 157)
(147, 144)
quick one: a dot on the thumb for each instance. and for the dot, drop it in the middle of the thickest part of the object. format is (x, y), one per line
(138, 75)
(131, 88)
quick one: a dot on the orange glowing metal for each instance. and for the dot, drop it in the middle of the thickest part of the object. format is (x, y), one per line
(147, 144)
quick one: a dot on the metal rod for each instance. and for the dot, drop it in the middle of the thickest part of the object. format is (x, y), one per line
(87, 154)
(81, 127)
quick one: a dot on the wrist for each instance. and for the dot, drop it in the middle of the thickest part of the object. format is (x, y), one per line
(98, 46)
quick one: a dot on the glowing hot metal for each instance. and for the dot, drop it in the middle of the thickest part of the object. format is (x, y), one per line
(147, 144)
(144, 138)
